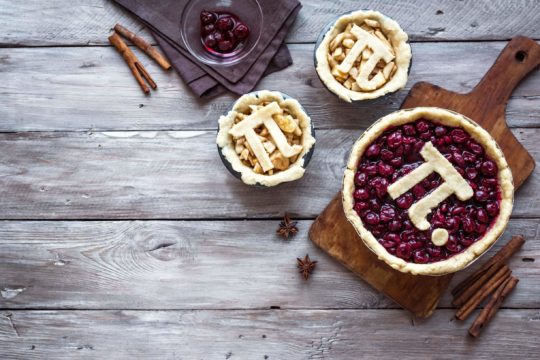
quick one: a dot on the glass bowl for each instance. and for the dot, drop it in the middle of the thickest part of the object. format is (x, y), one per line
(248, 11)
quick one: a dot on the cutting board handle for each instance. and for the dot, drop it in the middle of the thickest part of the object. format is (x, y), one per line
(517, 59)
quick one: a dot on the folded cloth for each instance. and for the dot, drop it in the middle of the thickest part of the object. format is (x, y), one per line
(270, 54)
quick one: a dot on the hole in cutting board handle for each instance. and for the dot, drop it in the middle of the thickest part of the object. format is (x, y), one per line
(521, 56)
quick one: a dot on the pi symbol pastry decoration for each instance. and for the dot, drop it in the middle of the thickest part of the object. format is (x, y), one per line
(453, 183)
(264, 116)
(379, 51)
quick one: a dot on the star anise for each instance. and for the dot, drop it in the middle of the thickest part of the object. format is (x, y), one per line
(306, 266)
(287, 228)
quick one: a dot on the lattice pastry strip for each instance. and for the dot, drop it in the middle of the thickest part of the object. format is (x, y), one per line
(275, 145)
(362, 58)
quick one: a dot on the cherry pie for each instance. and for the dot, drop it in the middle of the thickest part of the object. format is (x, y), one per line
(428, 190)
(363, 56)
(265, 138)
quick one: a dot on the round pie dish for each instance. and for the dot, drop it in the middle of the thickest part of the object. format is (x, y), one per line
(363, 55)
(266, 139)
(428, 190)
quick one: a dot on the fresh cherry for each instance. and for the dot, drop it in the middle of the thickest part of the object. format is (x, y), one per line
(404, 251)
(488, 168)
(225, 23)
(218, 36)
(208, 17)
(420, 257)
(241, 31)
(210, 41)
(207, 29)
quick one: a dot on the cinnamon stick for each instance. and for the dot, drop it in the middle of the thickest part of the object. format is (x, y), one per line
(492, 306)
(477, 284)
(144, 46)
(502, 256)
(490, 286)
(132, 61)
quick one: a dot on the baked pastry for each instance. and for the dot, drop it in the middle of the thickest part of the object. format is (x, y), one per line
(364, 55)
(265, 138)
(428, 190)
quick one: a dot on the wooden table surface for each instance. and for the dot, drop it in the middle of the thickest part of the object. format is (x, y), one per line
(122, 235)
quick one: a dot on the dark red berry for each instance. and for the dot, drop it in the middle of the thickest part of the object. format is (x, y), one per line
(459, 136)
(385, 169)
(420, 257)
(422, 126)
(467, 224)
(373, 151)
(395, 139)
(207, 17)
(225, 23)
(440, 131)
(405, 201)
(481, 195)
(480, 228)
(458, 159)
(488, 168)
(403, 250)
(475, 147)
(361, 194)
(471, 173)
(207, 29)
(492, 208)
(241, 31)
(371, 170)
(210, 41)
(360, 179)
(482, 216)
(452, 245)
(409, 129)
(386, 154)
(387, 213)
(225, 46)
(372, 218)
(218, 36)
(394, 225)
(418, 191)
(360, 206)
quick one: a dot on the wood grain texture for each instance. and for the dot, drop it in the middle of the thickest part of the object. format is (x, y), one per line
(333, 233)
(171, 175)
(199, 265)
(41, 23)
(93, 89)
(307, 334)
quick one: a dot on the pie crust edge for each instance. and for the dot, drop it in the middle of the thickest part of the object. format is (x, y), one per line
(225, 142)
(395, 34)
(449, 118)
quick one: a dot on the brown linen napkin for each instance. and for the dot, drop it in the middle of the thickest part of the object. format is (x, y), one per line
(163, 18)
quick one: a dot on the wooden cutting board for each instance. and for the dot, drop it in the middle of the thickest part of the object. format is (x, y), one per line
(486, 104)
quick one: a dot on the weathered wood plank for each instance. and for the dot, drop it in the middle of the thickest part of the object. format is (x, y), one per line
(36, 23)
(170, 175)
(92, 88)
(198, 265)
(322, 334)
(173, 175)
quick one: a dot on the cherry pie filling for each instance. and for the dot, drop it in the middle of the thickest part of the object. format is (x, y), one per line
(395, 153)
